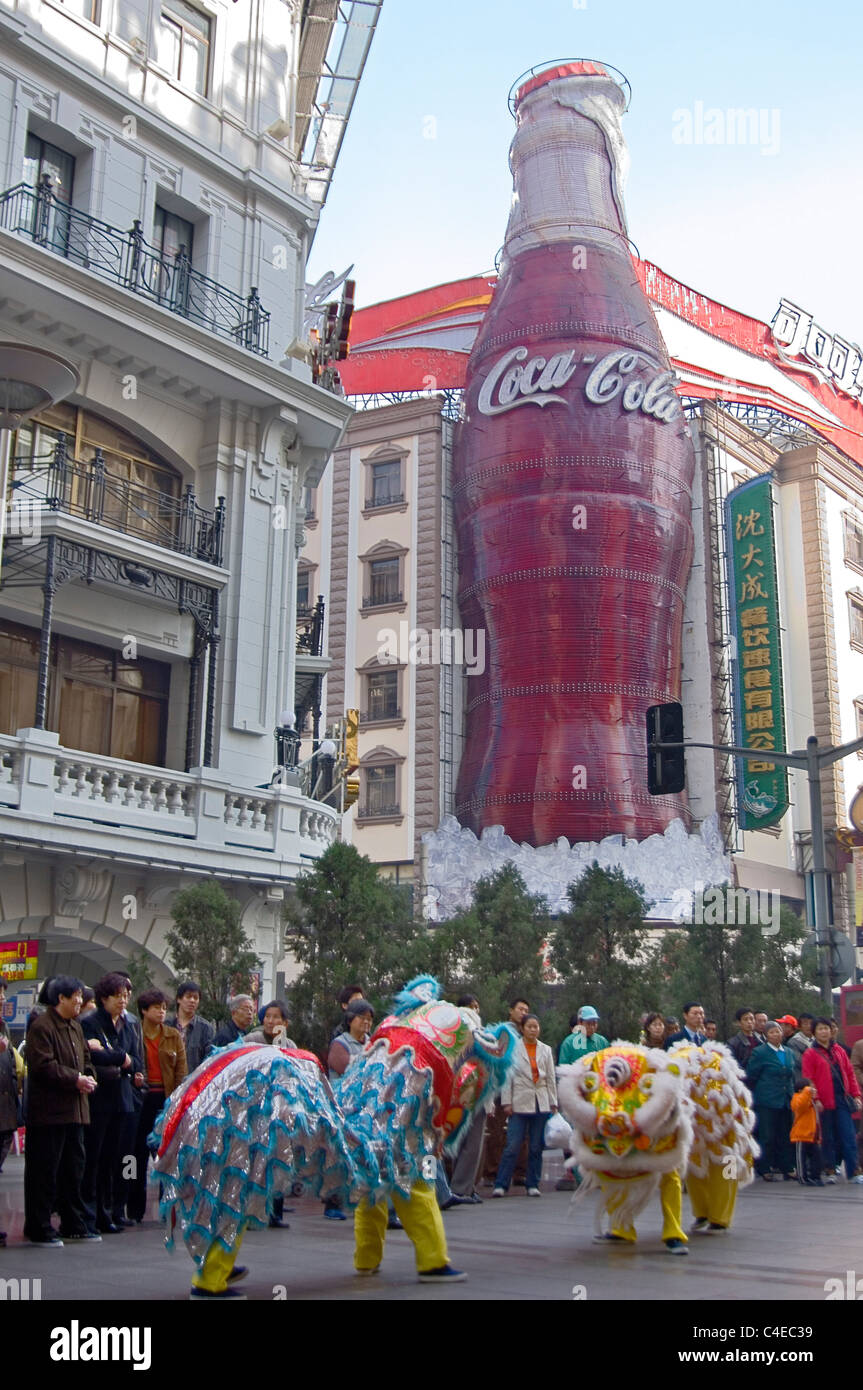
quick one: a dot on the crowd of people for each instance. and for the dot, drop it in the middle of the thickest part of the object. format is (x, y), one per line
(91, 1077)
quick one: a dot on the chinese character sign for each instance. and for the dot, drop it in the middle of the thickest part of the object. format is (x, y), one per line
(762, 786)
(19, 960)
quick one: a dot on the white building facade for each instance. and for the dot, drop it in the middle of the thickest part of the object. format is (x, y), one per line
(157, 205)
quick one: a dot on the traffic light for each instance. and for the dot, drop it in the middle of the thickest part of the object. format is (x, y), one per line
(666, 768)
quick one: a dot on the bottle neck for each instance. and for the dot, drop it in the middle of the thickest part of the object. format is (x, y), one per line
(568, 160)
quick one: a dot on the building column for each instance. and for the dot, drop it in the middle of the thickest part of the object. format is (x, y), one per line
(212, 664)
(49, 589)
(193, 715)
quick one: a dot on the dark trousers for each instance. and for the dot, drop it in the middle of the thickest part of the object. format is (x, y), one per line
(6, 1137)
(136, 1201)
(809, 1162)
(519, 1127)
(102, 1169)
(466, 1166)
(53, 1171)
(838, 1140)
(774, 1136)
(127, 1133)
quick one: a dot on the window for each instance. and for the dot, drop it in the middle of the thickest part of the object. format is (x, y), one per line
(98, 702)
(383, 582)
(858, 713)
(85, 9)
(386, 478)
(40, 159)
(171, 234)
(853, 541)
(141, 493)
(183, 44)
(855, 614)
(381, 791)
(383, 696)
(304, 578)
(308, 507)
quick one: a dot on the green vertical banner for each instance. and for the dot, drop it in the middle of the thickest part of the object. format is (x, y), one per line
(759, 708)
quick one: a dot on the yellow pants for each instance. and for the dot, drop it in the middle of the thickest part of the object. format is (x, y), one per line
(421, 1218)
(712, 1198)
(671, 1197)
(217, 1265)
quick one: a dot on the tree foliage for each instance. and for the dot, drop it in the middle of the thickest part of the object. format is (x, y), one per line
(208, 944)
(347, 925)
(726, 967)
(496, 947)
(138, 968)
(605, 953)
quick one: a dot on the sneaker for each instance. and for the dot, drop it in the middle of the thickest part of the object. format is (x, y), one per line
(676, 1247)
(714, 1229)
(474, 1199)
(237, 1273)
(83, 1235)
(48, 1243)
(605, 1237)
(335, 1214)
(534, 1192)
(499, 1192)
(220, 1297)
(831, 1179)
(276, 1225)
(701, 1225)
(858, 1179)
(367, 1272)
(393, 1223)
(445, 1275)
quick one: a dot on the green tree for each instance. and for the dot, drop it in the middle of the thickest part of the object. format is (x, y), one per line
(605, 953)
(726, 967)
(138, 968)
(208, 944)
(347, 925)
(495, 947)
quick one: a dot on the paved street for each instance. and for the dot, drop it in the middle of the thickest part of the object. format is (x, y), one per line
(786, 1243)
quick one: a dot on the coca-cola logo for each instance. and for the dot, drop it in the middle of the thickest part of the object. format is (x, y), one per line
(518, 379)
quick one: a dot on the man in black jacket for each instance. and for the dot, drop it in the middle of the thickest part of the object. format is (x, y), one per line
(743, 1044)
(113, 1045)
(693, 1027)
(197, 1033)
(242, 1008)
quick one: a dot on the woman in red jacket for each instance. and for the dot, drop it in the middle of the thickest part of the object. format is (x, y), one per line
(827, 1065)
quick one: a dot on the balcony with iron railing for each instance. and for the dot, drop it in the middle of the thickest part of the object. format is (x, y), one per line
(389, 812)
(89, 490)
(387, 499)
(383, 715)
(310, 630)
(126, 259)
(385, 599)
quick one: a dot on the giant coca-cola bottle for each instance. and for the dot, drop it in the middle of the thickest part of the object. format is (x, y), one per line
(572, 481)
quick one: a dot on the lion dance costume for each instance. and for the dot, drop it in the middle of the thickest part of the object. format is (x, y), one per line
(643, 1118)
(253, 1120)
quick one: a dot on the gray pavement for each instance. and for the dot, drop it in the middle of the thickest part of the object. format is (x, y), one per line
(786, 1244)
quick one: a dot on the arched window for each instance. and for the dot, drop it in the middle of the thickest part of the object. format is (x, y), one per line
(140, 493)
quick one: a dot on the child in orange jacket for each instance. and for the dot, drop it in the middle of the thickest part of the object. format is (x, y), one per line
(806, 1135)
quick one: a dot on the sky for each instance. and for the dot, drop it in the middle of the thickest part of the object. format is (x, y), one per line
(421, 191)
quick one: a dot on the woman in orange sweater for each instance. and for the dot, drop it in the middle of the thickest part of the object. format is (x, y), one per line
(806, 1135)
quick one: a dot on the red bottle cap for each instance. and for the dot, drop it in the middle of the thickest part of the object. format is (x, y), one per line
(583, 68)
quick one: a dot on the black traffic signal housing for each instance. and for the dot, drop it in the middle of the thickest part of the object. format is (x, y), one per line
(666, 768)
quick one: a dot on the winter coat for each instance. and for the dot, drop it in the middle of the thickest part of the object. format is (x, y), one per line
(817, 1068)
(172, 1057)
(113, 1095)
(8, 1090)
(519, 1090)
(770, 1077)
(197, 1039)
(56, 1056)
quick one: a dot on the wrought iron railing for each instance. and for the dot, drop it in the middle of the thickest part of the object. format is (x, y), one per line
(388, 500)
(379, 812)
(89, 490)
(128, 260)
(379, 716)
(310, 630)
(382, 600)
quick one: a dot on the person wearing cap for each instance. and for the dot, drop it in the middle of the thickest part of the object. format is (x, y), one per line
(583, 1037)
